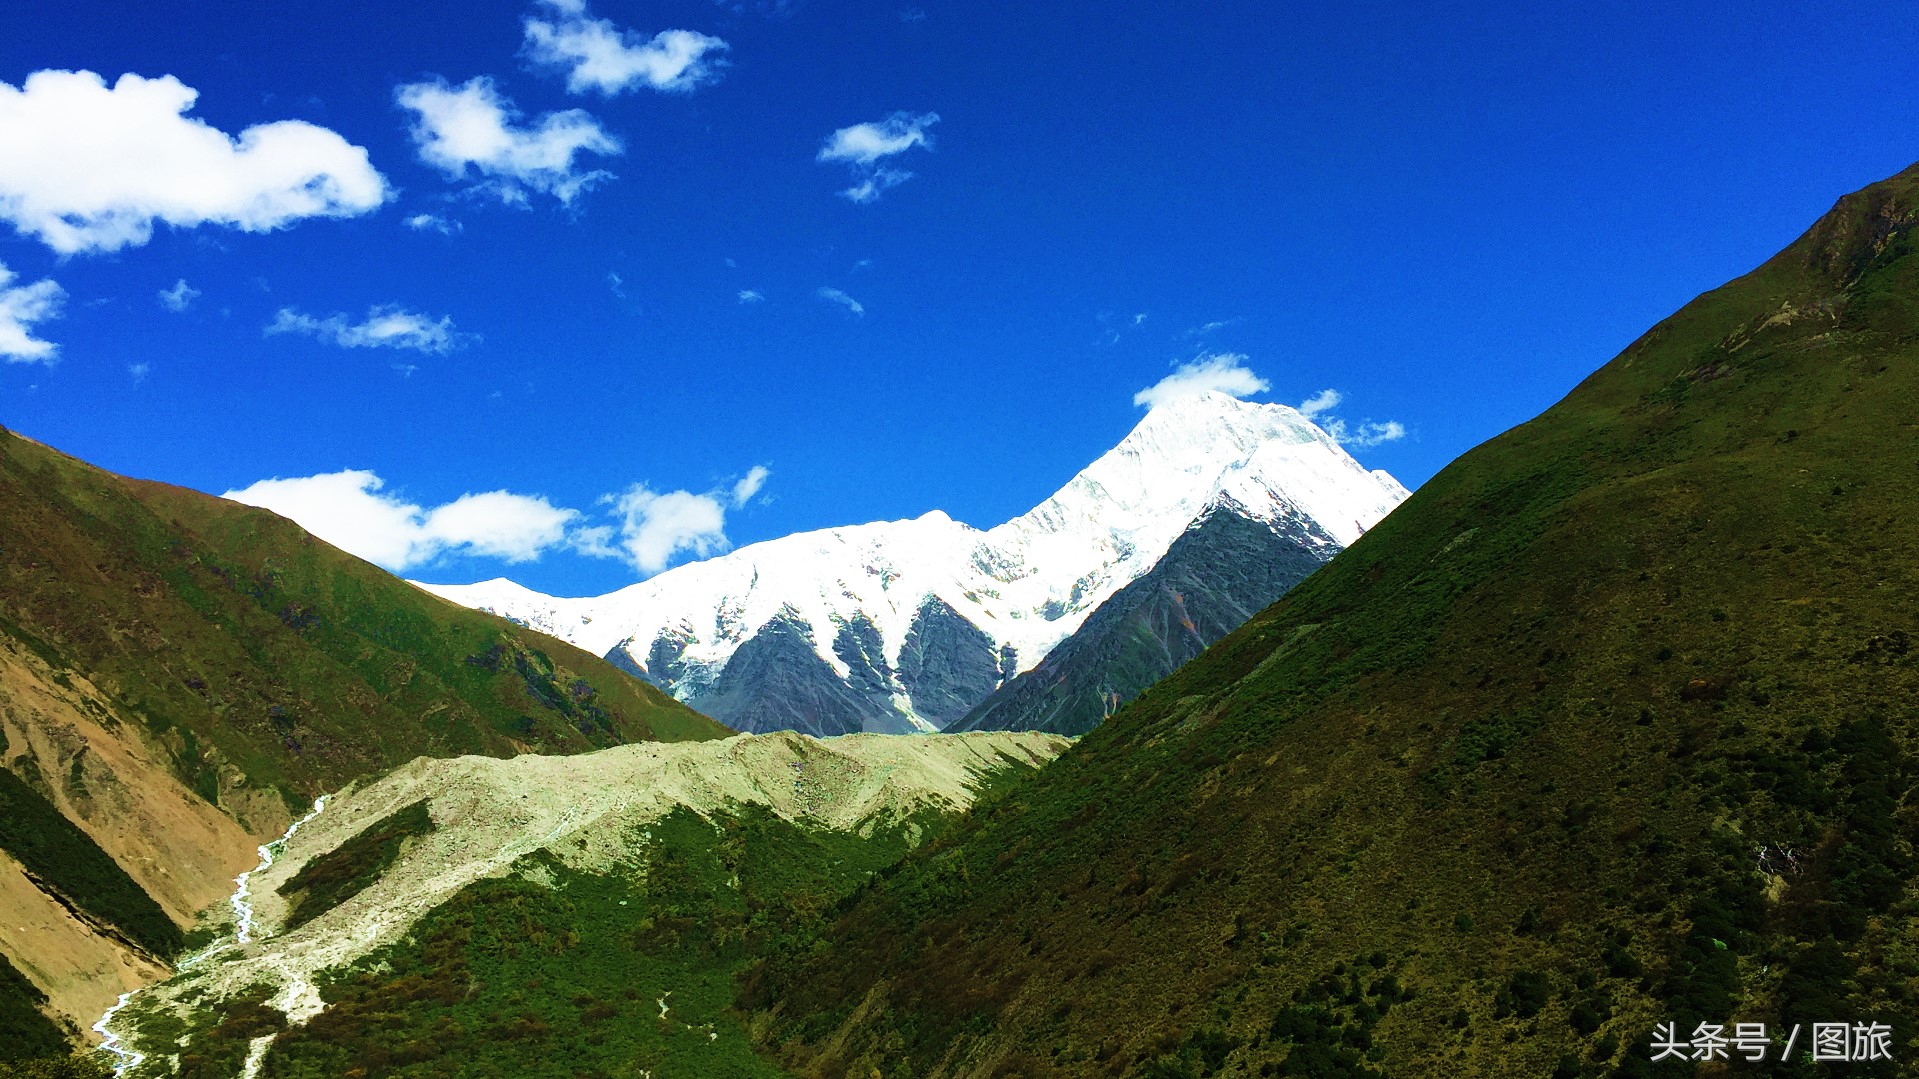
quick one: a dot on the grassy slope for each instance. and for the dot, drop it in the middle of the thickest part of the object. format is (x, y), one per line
(237, 637)
(1521, 749)
(560, 972)
(259, 656)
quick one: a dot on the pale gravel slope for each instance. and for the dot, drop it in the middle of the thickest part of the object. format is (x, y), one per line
(588, 810)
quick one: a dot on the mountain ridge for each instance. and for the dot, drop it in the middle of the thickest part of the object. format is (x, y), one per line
(1022, 586)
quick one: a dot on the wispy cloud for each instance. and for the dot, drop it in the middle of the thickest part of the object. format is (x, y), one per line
(85, 167)
(1367, 433)
(834, 295)
(349, 510)
(752, 295)
(1209, 327)
(139, 371)
(472, 126)
(1319, 408)
(598, 56)
(179, 297)
(433, 223)
(388, 326)
(1323, 401)
(1224, 372)
(864, 148)
(20, 307)
(750, 484)
(617, 283)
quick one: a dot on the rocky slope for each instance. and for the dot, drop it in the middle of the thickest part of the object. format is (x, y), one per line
(411, 841)
(1608, 726)
(1220, 572)
(179, 675)
(909, 625)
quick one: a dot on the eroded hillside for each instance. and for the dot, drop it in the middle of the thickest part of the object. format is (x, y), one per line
(696, 852)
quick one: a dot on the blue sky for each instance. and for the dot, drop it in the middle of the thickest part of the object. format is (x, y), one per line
(1449, 217)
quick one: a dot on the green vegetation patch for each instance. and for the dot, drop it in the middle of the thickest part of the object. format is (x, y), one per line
(1609, 725)
(348, 869)
(67, 863)
(558, 972)
(26, 1032)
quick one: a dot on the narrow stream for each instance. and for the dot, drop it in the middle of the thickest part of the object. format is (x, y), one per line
(125, 1059)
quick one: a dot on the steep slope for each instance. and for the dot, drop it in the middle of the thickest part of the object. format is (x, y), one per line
(1225, 568)
(909, 625)
(403, 882)
(179, 674)
(1608, 726)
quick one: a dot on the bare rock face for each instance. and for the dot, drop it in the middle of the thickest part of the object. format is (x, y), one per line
(1225, 569)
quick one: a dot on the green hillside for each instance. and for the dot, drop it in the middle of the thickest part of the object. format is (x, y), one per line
(239, 639)
(259, 665)
(1611, 724)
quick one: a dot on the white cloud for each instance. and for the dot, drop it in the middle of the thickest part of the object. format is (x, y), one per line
(599, 56)
(179, 297)
(20, 307)
(1323, 401)
(348, 510)
(433, 223)
(750, 295)
(1224, 372)
(388, 326)
(655, 527)
(1319, 409)
(617, 283)
(139, 371)
(836, 296)
(88, 168)
(750, 484)
(862, 146)
(1365, 434)
(352, 510)
(471, 125)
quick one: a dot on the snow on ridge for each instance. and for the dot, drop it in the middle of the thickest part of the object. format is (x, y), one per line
(1029, 582)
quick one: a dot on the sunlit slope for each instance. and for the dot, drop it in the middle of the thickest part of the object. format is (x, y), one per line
(1610, 724)
(295, 663)
(172, 663)
(553, 916)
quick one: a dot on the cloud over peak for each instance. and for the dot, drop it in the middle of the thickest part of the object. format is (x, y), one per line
(1224, 372)
(597, 55)
(472, 126)
(863, 148)
(1319, 407)
(85, 167)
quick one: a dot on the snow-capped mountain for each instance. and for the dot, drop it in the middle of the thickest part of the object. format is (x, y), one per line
(905, 625)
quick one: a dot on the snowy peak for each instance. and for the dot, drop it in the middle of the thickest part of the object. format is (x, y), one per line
(899, 625)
